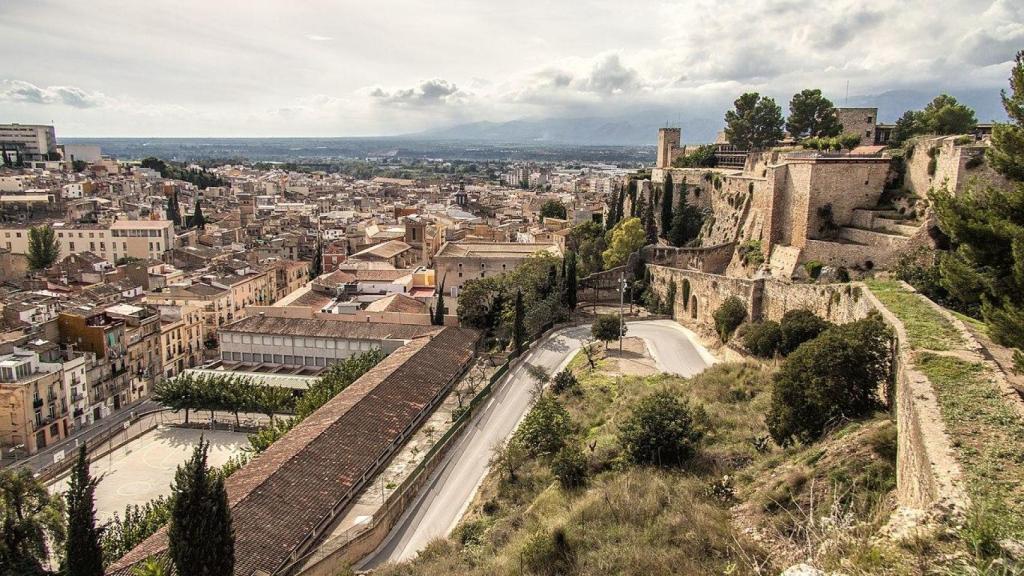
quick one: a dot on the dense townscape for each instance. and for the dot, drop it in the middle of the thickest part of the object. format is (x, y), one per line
(795, 349)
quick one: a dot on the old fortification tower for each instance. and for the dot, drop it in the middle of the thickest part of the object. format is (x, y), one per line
(668, 144)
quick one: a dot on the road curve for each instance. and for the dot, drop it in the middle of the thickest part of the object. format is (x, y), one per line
(452, 486)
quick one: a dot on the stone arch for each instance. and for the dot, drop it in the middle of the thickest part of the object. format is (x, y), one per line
(693, 307)
(686, 294)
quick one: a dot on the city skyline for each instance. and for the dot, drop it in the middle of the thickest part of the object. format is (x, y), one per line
(329, 69)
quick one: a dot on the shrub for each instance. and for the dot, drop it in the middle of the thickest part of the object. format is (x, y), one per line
(606, 327)
(729, 316)
(831, 378)
(548, 554)
(660, 431)
(799, 326)
(750, 252)
(763, 338)
(545, 428)
(570, 467)
(565, 381)
(974, 161)
(813, 268)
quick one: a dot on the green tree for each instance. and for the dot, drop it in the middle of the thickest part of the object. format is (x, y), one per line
(667, 201)
(545, 427)
(944, 115)
(173, 210)
(686, 223)
(316, 266)
(198, 220)
(908, 126)
(178, 393)
(518, 328)
(701, 157)
(798, 326)
(83, 554)
(43, 247)
(569, 282)
(569, 466)
(729, 316)
(553, 209)
(30, 521)
(606, 327)
(762, 338)
(650, 224)
(438, 317)
(986, 226)
(627, 237)
(153, 566)
(812, 115)
(833, 377)
(203, 547)
(122, 534)
(1006, 154)
(755, 122)
(660, 431)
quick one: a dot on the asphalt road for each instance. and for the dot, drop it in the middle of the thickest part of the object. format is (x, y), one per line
(448, 492)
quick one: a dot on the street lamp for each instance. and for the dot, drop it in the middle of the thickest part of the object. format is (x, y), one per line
(622, 294)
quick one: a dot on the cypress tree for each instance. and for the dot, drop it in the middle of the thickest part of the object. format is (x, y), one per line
(650, 226)
(197, 216)
(201, 538)
(83, 555)
(552, 282)
(666, 204)
(316, 267)
(620, 202)
(438, 318)
(631, 191)
(569, 281)
(517, 324)
(173, 213)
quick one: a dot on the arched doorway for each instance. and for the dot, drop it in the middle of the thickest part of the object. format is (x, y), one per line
(693, 307)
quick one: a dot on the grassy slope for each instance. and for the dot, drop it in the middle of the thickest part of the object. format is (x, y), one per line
(631, 520)
(926, 328)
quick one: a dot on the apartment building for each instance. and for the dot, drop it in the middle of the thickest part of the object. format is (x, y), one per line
(29, 141)
(181, 338)
(33, 402)
(142, 336)
(86, 329)
(457, 262)
(144, 239)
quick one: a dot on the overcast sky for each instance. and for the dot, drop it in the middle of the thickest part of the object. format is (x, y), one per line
(377, 67)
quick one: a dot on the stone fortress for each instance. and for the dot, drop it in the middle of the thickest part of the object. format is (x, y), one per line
(856, 210)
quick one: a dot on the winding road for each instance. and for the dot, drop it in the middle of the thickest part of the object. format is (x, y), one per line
(452, 486)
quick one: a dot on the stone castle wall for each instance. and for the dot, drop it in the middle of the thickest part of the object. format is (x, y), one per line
(951, 168)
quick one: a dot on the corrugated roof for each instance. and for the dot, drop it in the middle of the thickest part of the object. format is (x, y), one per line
(327, 328)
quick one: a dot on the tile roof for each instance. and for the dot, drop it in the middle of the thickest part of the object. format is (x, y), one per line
(293, 488)
(493, 249)
(327, 328)
(397, 303)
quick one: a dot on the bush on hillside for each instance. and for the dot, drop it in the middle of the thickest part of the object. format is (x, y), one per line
(833, 377)
(565, 381)
(570, 467)
(545, 428)
(729, 316)
(762, 338)
(660, 431)
(799, 326)
(606, 327)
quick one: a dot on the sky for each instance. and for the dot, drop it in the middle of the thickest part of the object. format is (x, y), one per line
(196, 68)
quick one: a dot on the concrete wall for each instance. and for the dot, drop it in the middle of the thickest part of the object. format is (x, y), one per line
(950, 166)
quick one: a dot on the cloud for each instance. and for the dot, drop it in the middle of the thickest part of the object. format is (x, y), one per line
(26, 92)
(428, 93)
(609, 76)
(319, 38)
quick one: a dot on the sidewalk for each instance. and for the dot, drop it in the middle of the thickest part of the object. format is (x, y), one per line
(63, 449)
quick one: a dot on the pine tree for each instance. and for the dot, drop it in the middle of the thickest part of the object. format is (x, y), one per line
(83, 554)
(1007, 151)
(197, 216)
(438, 318)
(569, 283)
(518, 330)
(666, 204)
(986, 225)
(43, 247)
(201, 538)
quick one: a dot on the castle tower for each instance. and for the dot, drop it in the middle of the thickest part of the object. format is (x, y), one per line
(668, 143)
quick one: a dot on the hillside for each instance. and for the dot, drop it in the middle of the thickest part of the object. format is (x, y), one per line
(740, 506)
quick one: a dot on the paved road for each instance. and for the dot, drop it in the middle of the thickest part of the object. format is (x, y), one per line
(448, 492)
(44, 457)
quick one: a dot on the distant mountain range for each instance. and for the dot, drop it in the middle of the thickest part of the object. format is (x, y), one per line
(641, 128)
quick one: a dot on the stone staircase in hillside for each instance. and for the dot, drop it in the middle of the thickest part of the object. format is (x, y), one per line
(879, 227)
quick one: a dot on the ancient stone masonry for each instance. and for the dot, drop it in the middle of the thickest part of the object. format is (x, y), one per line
(951, 161)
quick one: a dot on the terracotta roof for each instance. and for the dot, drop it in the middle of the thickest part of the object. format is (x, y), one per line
(388, 249)
(290, 490)
(397, 303)
(327, 328)
(493, 249)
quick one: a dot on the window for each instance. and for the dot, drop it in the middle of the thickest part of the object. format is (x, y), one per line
(867, 133)
(321, 361)
(278, 358)
(869, 119)
(71, 245)
(289, 359)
